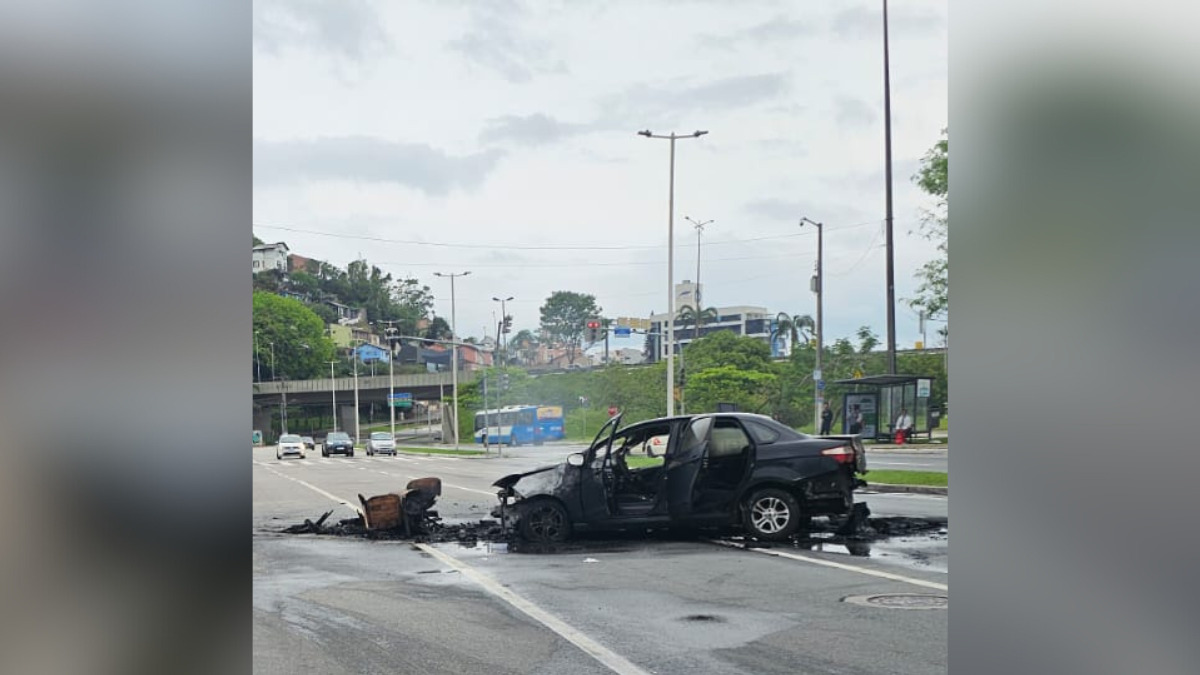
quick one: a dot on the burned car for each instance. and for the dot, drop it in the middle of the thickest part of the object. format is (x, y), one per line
(696, 470)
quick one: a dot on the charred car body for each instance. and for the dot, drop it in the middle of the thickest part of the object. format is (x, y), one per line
(696, 470)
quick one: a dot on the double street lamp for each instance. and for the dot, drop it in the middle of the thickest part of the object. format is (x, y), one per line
(454, 349)
(671, 265)
(503, 337)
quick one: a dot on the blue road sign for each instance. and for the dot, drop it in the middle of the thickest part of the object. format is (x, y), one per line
(622, 332)
(820, 385)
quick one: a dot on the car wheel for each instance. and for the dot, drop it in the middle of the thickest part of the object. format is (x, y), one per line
(545, 521)
(278, 457)
(772, 514)
(350, 454)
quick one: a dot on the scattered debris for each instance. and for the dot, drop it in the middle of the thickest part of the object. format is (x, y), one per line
(590, 560)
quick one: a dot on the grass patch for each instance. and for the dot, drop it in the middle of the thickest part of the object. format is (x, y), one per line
(932, 478)
(440, 451)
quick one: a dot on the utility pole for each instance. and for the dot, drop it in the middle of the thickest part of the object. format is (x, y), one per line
(355, 354)
(671, 265)
(257, 360)
(818, 287)
(502, 334)
(891, 254)
(699, 230)
(454, 348)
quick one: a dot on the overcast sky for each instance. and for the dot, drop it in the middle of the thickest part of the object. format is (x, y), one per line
(499, 137)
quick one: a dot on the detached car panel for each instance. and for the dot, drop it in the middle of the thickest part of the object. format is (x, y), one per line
(712, 469)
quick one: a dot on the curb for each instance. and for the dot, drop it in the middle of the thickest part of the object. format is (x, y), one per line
(908, 449)
(887, 488)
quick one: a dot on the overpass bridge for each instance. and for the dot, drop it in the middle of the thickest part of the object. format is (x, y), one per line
(269, 396)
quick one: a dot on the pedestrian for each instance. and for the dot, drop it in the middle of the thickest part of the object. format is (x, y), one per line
(826, 419)
(904, 426)
(856, 420)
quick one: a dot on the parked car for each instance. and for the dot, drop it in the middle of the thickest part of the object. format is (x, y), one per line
(290, 445)
(309, 443)
(725, 469)
(381, 443)
(338, 442)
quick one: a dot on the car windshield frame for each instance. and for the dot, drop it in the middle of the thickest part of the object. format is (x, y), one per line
(337, 436)
(381, 436)
(290, 438)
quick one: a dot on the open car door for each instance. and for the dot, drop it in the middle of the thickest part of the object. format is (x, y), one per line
(683, 465)
(596, 474)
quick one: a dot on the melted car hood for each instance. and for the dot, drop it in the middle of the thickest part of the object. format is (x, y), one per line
(512, 478)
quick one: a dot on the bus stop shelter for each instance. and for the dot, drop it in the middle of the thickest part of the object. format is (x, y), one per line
(880, 398)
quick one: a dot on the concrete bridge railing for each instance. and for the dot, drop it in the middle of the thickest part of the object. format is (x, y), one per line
(364, 382)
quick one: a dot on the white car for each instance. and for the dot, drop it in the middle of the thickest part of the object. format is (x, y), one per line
(381, 443)
(289, 445)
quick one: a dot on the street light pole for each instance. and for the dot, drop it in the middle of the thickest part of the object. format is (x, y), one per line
(891, 256)
(503, 323)
(354, 354)
(333, 388)
(671, 265)
(257, 360)
(454, 352)
(819, 289)
(391, 373)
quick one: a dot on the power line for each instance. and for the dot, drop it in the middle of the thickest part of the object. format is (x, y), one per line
(510, 247)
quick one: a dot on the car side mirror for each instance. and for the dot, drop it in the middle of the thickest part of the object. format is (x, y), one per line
(575, 459)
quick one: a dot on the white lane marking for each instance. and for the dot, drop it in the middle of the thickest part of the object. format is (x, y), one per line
(838, 565)
(612, 660)
(905, 495)
(305, 462)
(878, 463)
(445, 484)
(318, 490)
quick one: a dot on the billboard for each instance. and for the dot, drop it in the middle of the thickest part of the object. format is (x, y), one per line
(868, 404)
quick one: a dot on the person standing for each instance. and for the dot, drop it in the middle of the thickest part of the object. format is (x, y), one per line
(826, 419)
(856, 420)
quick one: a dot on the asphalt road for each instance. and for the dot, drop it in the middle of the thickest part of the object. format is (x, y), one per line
(926, 460)
(331, 605)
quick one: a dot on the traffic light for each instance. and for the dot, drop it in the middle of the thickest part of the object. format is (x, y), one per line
(504, 381)
(594, 331)
(508, 323)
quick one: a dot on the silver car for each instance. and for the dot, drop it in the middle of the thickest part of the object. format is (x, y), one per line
(290, 445)
(381, 443)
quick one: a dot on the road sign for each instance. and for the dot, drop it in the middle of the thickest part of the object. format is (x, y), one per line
(923, 388)
(858, 374)
(401, 399)
(820, 385)
(620, 331)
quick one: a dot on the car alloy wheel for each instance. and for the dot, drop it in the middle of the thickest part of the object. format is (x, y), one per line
(546, 521)
(772, 514)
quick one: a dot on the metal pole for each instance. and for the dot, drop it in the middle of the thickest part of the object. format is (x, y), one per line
(670, 289)
(392, 382)
(818, 373)
(891, 263)
(257, 360)
(454, 348)
(333, 388)
(670, 337)
(356, 422)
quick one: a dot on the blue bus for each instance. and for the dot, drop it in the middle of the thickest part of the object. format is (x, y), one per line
(519, 424)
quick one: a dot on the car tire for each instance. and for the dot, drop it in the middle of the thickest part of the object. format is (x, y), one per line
(772, 514)
(278, 457)
(545, 521)
(350, 454)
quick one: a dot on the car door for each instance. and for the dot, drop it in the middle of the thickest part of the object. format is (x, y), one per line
(595, 476)
(684, 460)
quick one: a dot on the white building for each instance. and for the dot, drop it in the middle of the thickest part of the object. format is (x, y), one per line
(748, 320)
(269, 257)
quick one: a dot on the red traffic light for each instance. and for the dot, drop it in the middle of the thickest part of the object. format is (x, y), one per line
(593, 324)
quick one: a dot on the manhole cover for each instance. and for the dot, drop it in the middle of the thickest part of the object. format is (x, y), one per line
(901, 601)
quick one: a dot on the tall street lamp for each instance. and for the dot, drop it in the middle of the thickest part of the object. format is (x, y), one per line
(333, 389)
(891, 255)
(391, 372)
(257, 359)
(454, 349)
(818, 288)
(671, 265)
(503, 326)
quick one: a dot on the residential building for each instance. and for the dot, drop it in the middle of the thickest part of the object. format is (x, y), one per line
(369, 352)
(346, 336)
(628, 357)
(269, 257)
(347, 314)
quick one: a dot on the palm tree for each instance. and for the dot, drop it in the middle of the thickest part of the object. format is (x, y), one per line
(688, 314)
(798, 327)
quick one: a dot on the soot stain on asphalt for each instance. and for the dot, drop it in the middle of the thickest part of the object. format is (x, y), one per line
(823, 534)
(703, 618)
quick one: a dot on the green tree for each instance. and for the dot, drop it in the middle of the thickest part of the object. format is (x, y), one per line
(867, 339)
(726, 348)
(439, 329)
(933, 289)
(750, 390)
(796, 327)
(525, 344)
(688, 315)
(564, 319)
(301, 350)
